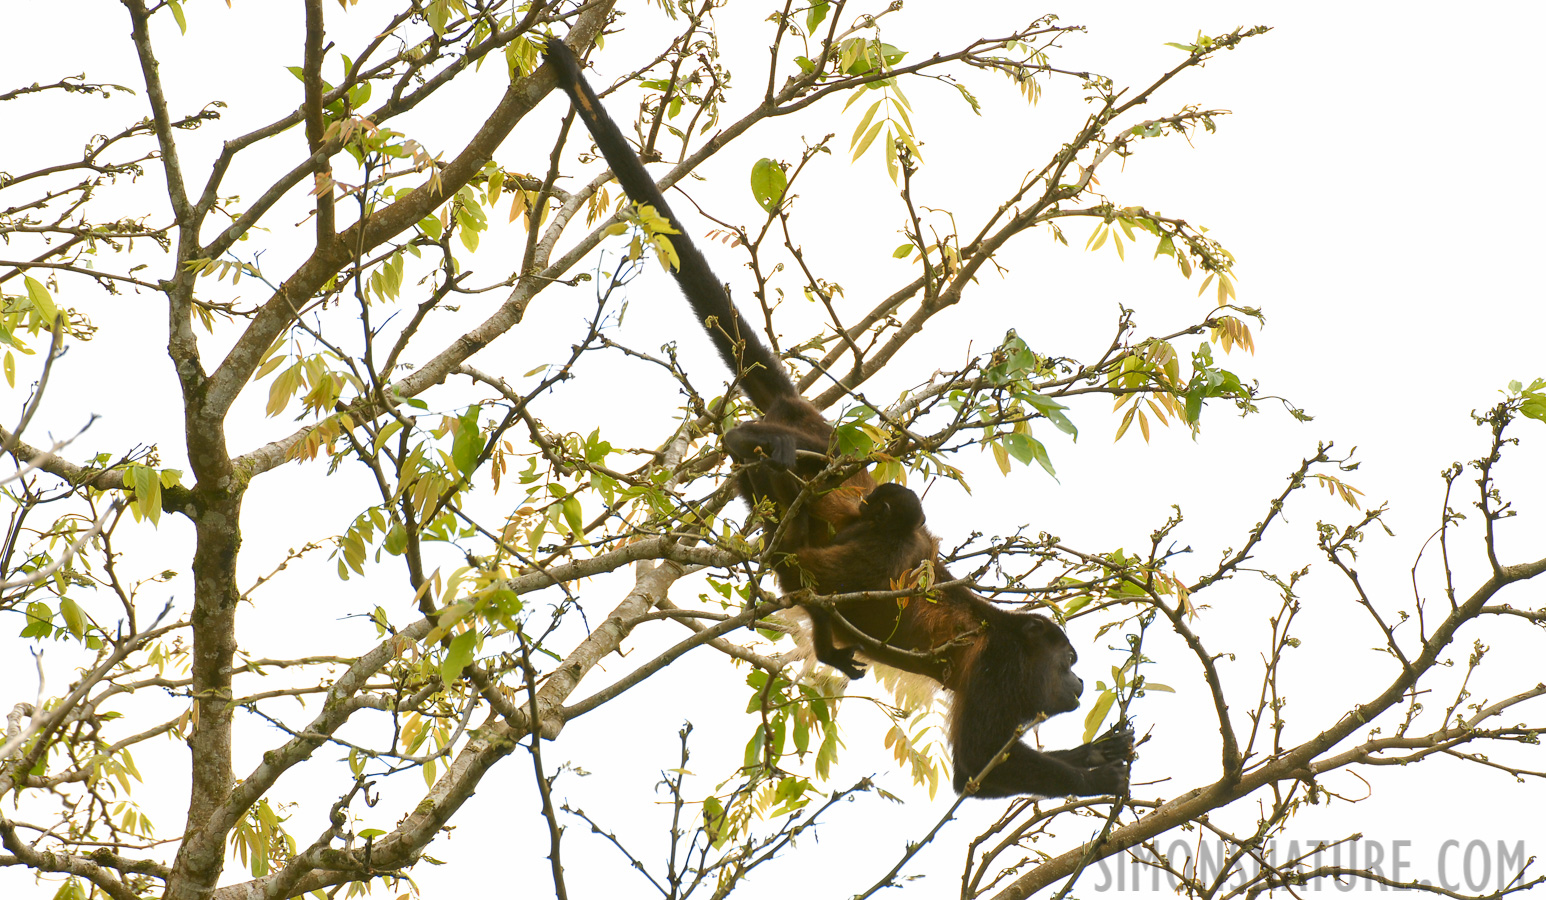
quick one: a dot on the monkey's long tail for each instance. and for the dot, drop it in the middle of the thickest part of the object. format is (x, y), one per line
(761, 375)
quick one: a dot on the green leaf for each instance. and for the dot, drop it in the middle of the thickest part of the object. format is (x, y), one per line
(802, 734)
(1097, 714)
(74, 616)
(469, 442)
(1019, 446)
(1042, 458)
(815, 15)
(43, 303)
(827, 755)
(853, 440)
(458, 657)
(468, 234)
(753, 755)
(146, 484)
(902, 251)
(571, 509)
(714, 822)
(177, 13)
(396, 540)
(1053, 410)
(768, 183)
(40, 620)
(386, 432)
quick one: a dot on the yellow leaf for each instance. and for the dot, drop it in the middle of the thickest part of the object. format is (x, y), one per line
(868, 139)
(74, 616)
(864, 123)
(1126, 421)
(43, 303)
(1001, 456)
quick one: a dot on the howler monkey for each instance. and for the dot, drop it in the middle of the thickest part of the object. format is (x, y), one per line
(877, 551)
(1004, 668)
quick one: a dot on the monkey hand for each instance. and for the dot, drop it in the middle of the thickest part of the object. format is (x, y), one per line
(1113, 746)
(1111, 778)
(1116, 745)
(759, 442)
(780, 451)
(842, 659)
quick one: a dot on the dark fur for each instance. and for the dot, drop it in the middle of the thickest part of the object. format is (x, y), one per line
(877, 551)
(765, 449)
(1020, 674)
(1004, 668)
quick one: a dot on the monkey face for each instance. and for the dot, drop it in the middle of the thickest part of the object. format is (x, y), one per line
(1052, 665)
(893, 508)
(1070, 689)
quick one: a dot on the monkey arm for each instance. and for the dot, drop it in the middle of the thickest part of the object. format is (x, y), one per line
(1005, 687)
(777, 444)
(1028, 771)
(931, 664)
(1116, 745)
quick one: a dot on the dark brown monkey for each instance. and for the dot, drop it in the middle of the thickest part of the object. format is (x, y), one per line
(1004, 668)
(879, 550)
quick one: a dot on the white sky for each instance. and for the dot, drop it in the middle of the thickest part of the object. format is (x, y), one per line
(1376, 182)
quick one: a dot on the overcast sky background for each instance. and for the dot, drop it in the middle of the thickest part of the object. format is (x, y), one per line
(1377, 182)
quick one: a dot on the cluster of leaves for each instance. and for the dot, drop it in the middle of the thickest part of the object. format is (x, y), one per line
(34, 312)
(651, 230)
(1153, 374)
(793, 717)
(1531, 399)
